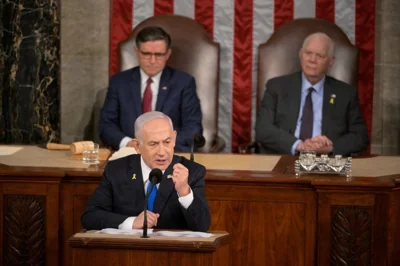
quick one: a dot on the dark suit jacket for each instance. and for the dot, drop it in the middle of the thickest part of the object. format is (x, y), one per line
(342, 121)
(177, 98)
(118, 196)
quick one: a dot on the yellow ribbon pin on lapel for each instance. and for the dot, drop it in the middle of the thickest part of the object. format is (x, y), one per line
(332, 100)
(134, 176)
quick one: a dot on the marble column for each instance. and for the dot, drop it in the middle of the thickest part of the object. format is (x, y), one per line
(386, 111)
(85, 34)
(29, 71)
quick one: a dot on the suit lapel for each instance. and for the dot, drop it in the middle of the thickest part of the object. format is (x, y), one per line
(294, 96)
(166, 188)
(135, 88)
(327, 108)
(163, 88)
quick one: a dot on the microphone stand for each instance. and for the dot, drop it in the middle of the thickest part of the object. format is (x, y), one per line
(192, 150)
(144, 235)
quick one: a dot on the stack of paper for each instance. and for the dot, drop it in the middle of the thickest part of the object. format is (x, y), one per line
(151, 232)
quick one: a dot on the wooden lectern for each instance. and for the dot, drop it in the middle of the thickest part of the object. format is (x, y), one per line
(91, 248)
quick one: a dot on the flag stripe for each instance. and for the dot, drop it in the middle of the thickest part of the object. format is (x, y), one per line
(141, 11)
(223, 34)
(283, 12)
(121, 25)
(184, 8)
(242, 73)
(304, 9)
(204, 14)
(325, 9)
(345, 12)
(163, 7)
(263, 26)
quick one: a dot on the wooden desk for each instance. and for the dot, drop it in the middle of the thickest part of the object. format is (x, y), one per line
(274, 218)
(99, 249)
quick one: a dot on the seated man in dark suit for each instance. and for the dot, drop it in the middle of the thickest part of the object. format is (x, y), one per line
(150, 86)
(180, 201)
(309, 110)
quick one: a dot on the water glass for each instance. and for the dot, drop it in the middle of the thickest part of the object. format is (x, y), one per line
(90, 154)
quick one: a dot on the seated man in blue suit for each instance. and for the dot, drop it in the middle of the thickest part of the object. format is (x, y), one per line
(150, 86)
(309, 110)
(180, 201)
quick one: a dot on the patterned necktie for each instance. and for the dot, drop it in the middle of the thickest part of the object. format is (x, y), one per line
(152, 196)
(147, 97)
(307, 120)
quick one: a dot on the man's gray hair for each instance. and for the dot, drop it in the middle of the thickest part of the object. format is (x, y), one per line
(147, 117)
(331, 44)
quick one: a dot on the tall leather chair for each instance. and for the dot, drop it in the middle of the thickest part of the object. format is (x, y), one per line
(195, 53)
(279, 55)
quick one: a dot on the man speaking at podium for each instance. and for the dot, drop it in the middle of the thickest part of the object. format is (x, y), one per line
(149, 87)
(179, 201)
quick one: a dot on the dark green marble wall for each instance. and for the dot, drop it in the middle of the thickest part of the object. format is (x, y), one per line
(29, 71)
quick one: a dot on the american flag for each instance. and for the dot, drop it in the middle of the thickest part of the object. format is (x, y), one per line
(239, 26)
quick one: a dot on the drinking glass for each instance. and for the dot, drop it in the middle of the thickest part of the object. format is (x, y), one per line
(90, 154)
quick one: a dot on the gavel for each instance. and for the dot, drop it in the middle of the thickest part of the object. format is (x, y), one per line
(76, 147)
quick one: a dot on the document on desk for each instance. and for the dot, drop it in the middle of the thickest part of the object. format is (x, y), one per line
(182, 233)
(151, 232)
(8, 150)
(123, 152)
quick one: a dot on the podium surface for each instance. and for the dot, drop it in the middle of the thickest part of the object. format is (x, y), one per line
(92, 248)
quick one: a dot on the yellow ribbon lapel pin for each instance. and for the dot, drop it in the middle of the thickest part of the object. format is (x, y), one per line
(134, 176)
(332, 100)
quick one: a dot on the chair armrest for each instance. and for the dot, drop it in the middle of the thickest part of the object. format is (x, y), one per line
(253, 147)
(218, 145)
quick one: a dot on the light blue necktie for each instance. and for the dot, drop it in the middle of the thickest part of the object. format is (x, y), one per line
(152, 197)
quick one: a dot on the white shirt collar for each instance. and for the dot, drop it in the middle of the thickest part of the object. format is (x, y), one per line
(146, 172)
(144, 77)
(318, 87)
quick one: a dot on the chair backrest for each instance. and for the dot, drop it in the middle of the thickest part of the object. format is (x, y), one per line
(279, 55)
(194, 52)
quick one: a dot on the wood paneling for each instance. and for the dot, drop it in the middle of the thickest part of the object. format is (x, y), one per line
(393, 228)
(29, 223)
(24, 224)
(352, 228)
(262, 220)
(132, 250)
(75, 196)
(351, 240)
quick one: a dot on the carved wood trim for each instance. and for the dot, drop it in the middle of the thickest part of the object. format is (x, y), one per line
(24, 230)
(351, 239)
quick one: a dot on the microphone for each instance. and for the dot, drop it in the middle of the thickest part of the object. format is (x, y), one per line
(198, 141)
(155, 177)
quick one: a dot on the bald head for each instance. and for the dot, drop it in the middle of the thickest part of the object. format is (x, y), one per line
(323, 39)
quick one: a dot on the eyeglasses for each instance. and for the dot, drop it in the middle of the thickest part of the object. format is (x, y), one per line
(148, 55)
